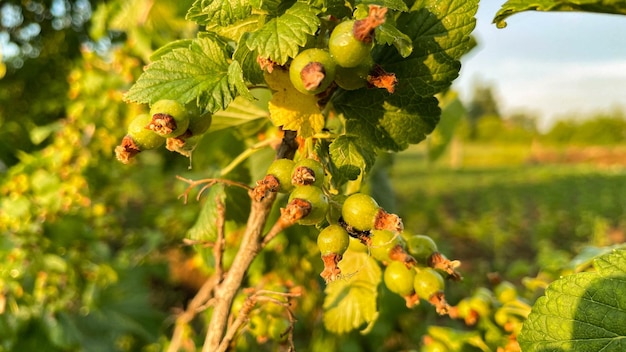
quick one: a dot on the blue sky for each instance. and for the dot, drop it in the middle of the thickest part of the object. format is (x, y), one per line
(550, 64)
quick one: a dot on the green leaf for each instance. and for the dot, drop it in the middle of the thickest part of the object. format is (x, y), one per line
(221, 12)
(248, 59)
(350, 302)
(388, 34)
(581, 312)
(200, 72)
(440, 32)
(204, 230)
(239, 112)
(512, 7)
(272, 7)
(281, 37)
(387, 122)
(350, 158)
(236, 30)
(167, 48)
(390, 4)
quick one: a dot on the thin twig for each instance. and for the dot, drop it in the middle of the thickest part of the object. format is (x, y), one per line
(225, 292)
(218, 248)
(203, 295)
(246, 154)
(208, 183)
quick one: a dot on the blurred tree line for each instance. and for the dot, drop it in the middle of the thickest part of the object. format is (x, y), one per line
(485, 123)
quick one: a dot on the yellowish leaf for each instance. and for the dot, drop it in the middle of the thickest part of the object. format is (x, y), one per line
(291, 109)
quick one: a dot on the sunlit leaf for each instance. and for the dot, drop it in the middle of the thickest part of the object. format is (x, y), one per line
(581, 312)
(350, 302)
(512, 7)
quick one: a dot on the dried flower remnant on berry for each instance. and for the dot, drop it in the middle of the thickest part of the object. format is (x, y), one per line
(312, 75)
(439, 261)
(265, 64)
(162, 124)
(295, 210)
(126, 150)
(364, 29)
(331, 271)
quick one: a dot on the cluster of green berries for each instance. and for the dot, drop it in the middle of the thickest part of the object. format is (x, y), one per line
(169, 122)
(346, 61)
(503, 305)
(414, 268)
(303, 181)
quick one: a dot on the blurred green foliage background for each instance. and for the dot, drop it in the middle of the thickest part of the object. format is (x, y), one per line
(91, 254)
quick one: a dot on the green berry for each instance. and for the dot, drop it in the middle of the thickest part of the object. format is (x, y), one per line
(281, 169)
(434, 346)
(427, 282)
(505, 292)
(346, 50)
(316, 198)
(333, 240)
(356, 245)
(277, 328)
(199, 123)
(144, 138)
(169, 118)
(382, 241)
(399, 279)
(312, 71)
(351, 78)
(258, 326)
(421, 247)
(359, 211)
(308, 172)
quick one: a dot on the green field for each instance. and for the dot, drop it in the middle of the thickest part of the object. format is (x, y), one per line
(500, 213)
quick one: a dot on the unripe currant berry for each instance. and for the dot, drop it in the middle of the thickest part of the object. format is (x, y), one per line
(144, 138)
(427, 282)
(345, 49)
(199, 123)
(333, 239)
(360, 211)
(381, 244)
(277, 328)
(312, 71)
(282, 169)
(356, 245)
(307, 172)
(505, 292)
(351, 78)
(317, 200)
(399, 279)
(169, 118)
(258, 326)
(421, 247)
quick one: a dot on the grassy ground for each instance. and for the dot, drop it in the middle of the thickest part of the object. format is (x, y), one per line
(500, 212)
